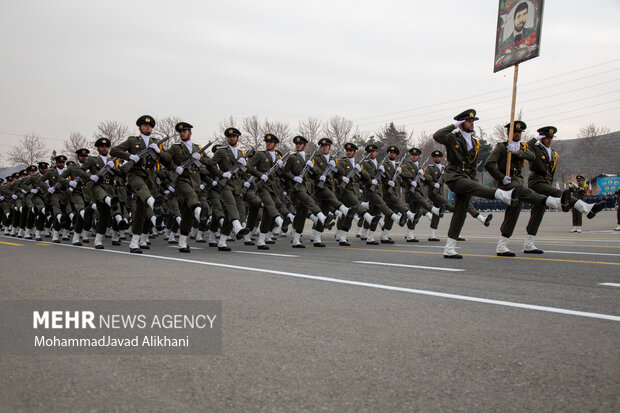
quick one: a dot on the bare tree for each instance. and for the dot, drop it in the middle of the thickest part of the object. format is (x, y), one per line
(219, 136)
(115, 131)
(252, 131)
(76, 141)
(30, 150)
(165, 127)
(281, 130)
(338, 129)
(310, 129)
(591, 145)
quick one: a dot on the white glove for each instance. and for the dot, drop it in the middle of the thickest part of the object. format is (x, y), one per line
(420, 171)
(179, 170)
(345, 179)
(214, 183)
(15, 196)
(458, 123)
(414, 184)
(381, 168)
(391, 183)
(134, 158)
(32, 191)
(154, 147)
(283, 193)
(310, 164)
(332, 163)
(358, 167)
(171, 189)
(166, 192)
(242, 161)
(513, 147)
(110, 164)
(506, 180)
(374, 182)
(279, 163)
(51, 190)
(264, 177)
(202, 187)
(24, 191)
(246, 184)
(322, 178)
(2, 199)
(226, 175)
(73, 184)
(399, 170)
(94, 178)
(436, 185)
(196, 156)
(298, 179)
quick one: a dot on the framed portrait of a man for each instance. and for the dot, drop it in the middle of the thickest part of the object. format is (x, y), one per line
(519, 25)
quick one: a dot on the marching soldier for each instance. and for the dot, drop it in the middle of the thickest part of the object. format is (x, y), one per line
(226, 159)
(540, 180)
(187, 183)
(391, 193)
(140, 178)
(460, 175)
(496, 166)
(56, 186)
(579, 190)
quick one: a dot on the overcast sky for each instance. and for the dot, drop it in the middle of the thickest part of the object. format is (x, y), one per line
(67, 65)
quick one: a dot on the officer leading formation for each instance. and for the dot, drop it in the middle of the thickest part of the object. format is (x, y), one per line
(137, 190)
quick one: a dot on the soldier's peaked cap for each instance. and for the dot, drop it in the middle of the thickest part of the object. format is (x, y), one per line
(146, 119)
(43, 164)
(325, 141)
(371, 147)
(82, 152)
(437, 153)
(60, 158)
(581, 177)
(520, 126)
(182, 126)
(232, 132)
(299, 139)
(349, 146)
(466, 114)
(393, 149)
(31, 168)
(102, 142)
(415, 151)
(270, 137)
(548, 131)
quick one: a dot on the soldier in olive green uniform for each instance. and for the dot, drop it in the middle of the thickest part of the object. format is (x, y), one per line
(56, 186)
(460, 174)
(140, 178)
(187, 183)
(391, 193)
(350, 194)
(372, 186)
(579, 190)
(224, 164)
(252, 201)
(496, 166)
(540, 180)
(296, 171)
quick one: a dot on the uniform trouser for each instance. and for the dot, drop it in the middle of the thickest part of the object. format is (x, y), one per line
(99, 193)
(206, 210)
(305, 206)
(270, 212)
(233, 209)
(350, 200)
(376, 206)
(577, 218)
(326, 201)
(538, 211)
(512, 211)
(142, 188)
(188, 201)
(464, 189)
(418, 205)
(393, 202)
(77, 204)
(217, 210)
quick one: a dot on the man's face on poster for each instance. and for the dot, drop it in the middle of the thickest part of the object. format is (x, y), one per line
(520, 19)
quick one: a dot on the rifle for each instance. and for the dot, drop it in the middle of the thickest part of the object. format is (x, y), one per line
(379, 173)
(237, 166)
(273, 169)
(418, 176)
(306, 166)
(326, 173)
(101, 173)
(353, 172)
(396, 172)
(145, 153)
(190, 161)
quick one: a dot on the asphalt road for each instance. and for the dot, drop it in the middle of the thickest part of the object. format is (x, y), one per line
(360, 328)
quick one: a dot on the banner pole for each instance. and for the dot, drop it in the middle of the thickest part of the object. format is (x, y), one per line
(512, 116)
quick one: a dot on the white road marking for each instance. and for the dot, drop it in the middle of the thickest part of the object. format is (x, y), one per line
(409, 266)
(610, 284)
(373, 285)
(266, 253)
(582, 253)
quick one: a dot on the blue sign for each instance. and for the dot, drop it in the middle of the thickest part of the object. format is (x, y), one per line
(608, 185)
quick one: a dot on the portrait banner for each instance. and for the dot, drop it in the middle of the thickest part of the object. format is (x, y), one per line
(519, 25)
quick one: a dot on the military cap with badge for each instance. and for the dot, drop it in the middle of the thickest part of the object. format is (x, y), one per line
(232, 132)
(103, 142)
(519, 126)
(271, 138)
(393, 149)
(325, 141)
(82, 152)
(466, 114)
(299, 139)
(349, 146)
(146, 119)
(415, 151)
(372, 147)
(181, 126)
